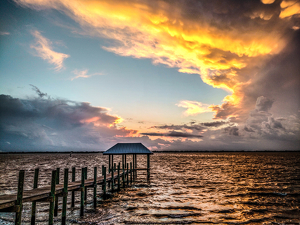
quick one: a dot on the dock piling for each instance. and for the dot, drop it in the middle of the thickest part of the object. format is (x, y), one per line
(19, 203)
(65, 197)
(123, 175)
(82, 192)
(52, 197)
(130, 172)
(104, 181)
(56, 199)
(119, 185)
(33, 205)
(73, 192)
(112, 178)
(85, 177)
(95, 187)
(127, 175)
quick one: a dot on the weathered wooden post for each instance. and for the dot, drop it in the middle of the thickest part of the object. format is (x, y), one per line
(125, 160)
(19, 202)
(109, 167)
(127, 174)
(56, 199)
(109, 163)
(148, 167)
(33, 205)
(133, 164)
(52, 197)
(119, 185)
(135, 160)
(123, 175)
(112, 175)
(73, 192)
(82, 192)
(85, 191)
(65, 197)
(130, 172)
(104, 181)
(115, 169)
(95, 187)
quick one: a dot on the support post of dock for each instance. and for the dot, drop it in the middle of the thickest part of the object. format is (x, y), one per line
(85, 177)
(82, 192)
(73, 192)
(109, 162)
(112, 174)
(125, 160)
(19, 202)
(56, 199)
(119, 184)
(33, 205)
(127, 175)
(135, 160)
(148, 167)
(130, 172)
(52, 196)
(123, 175)
(133, 165)
(104, 181)
(95, 187)
(65, 197)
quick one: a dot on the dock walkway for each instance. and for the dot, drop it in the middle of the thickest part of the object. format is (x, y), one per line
(116, 179)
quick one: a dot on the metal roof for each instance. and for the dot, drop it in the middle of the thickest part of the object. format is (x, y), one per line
(127, 148)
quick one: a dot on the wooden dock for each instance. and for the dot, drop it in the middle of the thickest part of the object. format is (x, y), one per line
(115, 179)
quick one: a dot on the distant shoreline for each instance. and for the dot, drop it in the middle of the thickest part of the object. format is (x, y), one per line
(97, 152)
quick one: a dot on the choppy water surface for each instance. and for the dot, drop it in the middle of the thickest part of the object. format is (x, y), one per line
(191, 188)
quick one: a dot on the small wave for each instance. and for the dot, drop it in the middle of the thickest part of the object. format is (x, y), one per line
(186, 207)
(159, 215)
(225, 211)
(279, 194)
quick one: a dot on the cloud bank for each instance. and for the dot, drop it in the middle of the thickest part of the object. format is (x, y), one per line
(249, 48)
(44, 123)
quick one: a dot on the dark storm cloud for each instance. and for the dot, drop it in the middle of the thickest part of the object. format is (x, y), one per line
(192, 126)
(232, 131)
(262, 124)
(263, 104)
(40, 123)
(173, 134)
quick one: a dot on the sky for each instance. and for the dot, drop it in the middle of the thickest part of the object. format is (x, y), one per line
(173, 75)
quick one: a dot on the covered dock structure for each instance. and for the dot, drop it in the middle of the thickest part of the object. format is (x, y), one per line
(125, 149)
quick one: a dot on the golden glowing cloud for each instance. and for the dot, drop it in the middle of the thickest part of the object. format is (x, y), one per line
(289, 8)
(267, 1)
(44, 50)
(194, 107)
(168, 35)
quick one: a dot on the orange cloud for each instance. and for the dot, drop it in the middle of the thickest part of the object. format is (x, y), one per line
(193, 43)
(194, 107)
(44, 50)
(267, 1)
(289, 8)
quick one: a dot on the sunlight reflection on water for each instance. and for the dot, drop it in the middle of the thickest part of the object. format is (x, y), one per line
(192, 188)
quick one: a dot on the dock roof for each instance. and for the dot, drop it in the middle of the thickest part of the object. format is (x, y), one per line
(127, 148)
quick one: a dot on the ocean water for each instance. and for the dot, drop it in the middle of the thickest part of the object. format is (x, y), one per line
(185, 188)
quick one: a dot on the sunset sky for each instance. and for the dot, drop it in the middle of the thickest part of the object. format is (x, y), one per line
(173, 75)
